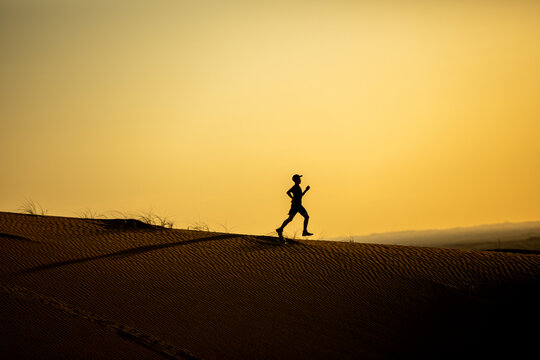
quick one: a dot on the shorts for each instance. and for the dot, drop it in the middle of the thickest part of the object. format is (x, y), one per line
(297, 208)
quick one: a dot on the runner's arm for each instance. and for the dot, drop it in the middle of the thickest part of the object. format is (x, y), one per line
(289, 193)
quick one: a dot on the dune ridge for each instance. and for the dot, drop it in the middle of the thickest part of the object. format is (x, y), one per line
(196, 294)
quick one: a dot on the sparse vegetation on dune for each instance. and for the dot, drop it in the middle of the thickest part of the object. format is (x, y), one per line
(90, 214)
(199, 226)
(143, 219)
(226, 228)
(150, 218)
(32, 207)
(127, 219)
(203, 226)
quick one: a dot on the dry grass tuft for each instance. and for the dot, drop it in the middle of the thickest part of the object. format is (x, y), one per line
(32, 207)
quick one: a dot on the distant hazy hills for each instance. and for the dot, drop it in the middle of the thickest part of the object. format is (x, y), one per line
(507, 236)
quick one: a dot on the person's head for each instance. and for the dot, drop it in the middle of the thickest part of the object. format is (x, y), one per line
(297, 178)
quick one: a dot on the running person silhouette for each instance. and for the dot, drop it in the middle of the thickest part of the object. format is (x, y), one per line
(296, 194)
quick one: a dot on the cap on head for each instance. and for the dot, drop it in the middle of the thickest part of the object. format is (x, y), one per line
(296, 177)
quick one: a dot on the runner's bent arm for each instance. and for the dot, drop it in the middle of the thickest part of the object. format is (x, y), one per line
(289, 193)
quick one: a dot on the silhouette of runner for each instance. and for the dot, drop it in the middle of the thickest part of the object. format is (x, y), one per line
(296, 194)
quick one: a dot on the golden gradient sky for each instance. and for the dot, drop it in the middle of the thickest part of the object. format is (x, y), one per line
(400, 114)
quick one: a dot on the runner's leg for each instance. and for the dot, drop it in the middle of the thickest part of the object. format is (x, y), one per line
(287, 220)
(305, 214)
(306, 221)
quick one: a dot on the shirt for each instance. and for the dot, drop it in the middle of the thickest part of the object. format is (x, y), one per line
(297, 194)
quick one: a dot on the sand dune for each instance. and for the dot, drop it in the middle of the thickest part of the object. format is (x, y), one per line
(76, 288)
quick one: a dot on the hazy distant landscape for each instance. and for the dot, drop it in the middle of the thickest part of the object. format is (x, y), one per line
(523, 236)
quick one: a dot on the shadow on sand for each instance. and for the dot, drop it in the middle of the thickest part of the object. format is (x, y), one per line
(125, 253)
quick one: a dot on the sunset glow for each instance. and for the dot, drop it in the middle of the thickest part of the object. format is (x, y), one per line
(400, 115)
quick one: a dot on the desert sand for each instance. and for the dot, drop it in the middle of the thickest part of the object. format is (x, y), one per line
(113, 289)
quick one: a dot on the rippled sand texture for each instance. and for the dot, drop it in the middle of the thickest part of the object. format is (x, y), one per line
(74, 288)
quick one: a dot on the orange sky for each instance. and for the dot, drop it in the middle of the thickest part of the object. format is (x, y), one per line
(400, 114)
